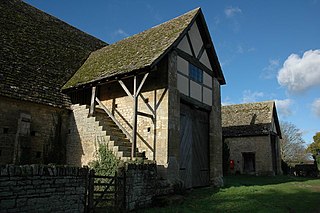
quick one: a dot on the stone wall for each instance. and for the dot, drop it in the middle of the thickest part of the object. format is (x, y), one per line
(215, 137)
(259, 145)
(39, 188)
(34, 133)
(84, 137)
(143, 185)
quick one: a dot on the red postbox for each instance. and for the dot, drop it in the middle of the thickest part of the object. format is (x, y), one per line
(231, 164)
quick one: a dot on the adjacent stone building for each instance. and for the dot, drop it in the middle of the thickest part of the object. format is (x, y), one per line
(252, 134)
(155, 95)
(38, 54)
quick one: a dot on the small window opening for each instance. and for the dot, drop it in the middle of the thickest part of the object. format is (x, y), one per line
(146, 100)
(5, 130)
(116, 106)
(149, 129)
(0, 152)
(69, 131)
(195, 73)
(38, 154)
(33, 133)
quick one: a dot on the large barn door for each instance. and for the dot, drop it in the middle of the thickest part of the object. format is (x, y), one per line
(194, 146)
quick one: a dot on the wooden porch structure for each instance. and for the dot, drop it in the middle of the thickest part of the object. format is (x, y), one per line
(134, 97)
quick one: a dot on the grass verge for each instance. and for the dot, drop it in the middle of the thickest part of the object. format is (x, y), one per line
(253, 194)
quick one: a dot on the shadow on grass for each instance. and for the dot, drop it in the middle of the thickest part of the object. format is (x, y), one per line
(250, 180)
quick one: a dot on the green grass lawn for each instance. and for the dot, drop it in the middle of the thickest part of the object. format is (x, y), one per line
(253, 194)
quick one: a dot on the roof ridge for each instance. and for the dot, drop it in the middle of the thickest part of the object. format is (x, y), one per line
(251, 103)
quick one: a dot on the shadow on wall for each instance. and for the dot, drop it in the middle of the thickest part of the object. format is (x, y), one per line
(74, 147)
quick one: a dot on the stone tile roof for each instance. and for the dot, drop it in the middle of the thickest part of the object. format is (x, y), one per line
(248, 119)
(133, 53)
(39, 53)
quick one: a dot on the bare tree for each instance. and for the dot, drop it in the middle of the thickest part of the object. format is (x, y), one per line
(292, 144)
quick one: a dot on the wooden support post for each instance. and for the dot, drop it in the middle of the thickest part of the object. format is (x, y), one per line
(135, 95)
(92, 104)
(135, 114)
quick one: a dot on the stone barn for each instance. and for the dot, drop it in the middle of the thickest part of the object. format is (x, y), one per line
(154, 95)
(38, 54)
(252, 134)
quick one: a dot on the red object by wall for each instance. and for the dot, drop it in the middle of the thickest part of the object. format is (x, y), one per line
(231, 164)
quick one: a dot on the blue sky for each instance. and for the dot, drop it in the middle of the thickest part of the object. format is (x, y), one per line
(268, 50)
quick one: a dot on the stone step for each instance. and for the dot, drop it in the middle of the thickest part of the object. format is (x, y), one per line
(121, 149)
(112, 143)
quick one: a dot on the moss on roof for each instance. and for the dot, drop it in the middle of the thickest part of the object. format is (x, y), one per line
(39, 53)
(248, 113)
(248, 119)
(133, 53)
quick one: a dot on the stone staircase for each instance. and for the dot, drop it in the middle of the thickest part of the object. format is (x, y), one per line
(107, 132)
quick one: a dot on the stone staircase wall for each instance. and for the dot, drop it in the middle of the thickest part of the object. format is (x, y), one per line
(86, 133)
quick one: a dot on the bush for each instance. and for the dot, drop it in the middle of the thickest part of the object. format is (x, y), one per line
(107, 164)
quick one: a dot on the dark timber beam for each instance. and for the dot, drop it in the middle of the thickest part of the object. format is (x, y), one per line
(135, 117)
(135, 95)
(92, 103)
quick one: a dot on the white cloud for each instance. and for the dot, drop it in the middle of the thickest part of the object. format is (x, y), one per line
(120, 32)
(240, 49)
(243, 49)
(270, 71)
(283, 107)
(232, 11)
(249, 96)
(299, 74)
(226, 101)
(316, 107)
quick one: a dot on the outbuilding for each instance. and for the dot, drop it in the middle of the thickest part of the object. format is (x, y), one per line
(251, 134)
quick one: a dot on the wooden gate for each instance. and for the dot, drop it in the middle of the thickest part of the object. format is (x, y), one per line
(105, 193)
(194, 146)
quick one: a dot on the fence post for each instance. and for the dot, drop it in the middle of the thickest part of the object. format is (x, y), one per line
(116, 190)
(90, 191)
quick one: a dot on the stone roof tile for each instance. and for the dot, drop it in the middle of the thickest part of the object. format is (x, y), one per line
(133, 53)
(247, 119)
(39, 53)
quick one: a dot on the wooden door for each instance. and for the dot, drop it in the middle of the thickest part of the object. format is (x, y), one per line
(194, 146)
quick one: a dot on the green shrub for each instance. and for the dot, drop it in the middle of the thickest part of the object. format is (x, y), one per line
(107, 164)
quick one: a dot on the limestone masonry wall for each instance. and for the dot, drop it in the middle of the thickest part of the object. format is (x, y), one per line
(39, 188)
(260, 145)
(142, 185)
(34, 132)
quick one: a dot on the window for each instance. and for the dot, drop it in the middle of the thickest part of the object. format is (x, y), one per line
(195, 73)
(5, 130)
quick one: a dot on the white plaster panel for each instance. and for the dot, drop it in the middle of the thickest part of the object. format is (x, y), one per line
(207, 96)
(182, 65)
(184, 45)
(195, 38)
(183, 84)
(207, 80)
(195, 90)
(205, 60)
